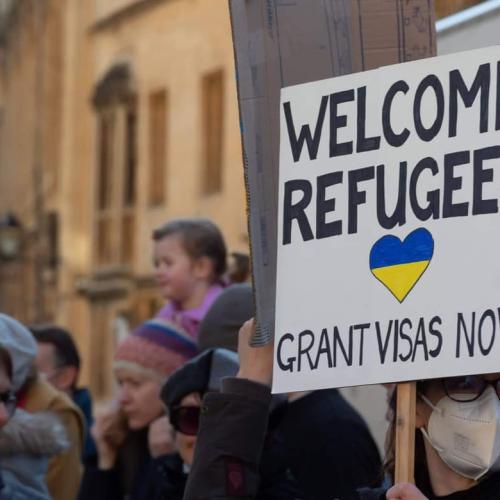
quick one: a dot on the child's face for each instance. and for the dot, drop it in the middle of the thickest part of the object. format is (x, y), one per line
(175, 270)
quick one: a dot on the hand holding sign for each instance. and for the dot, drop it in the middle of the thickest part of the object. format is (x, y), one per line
(256, 363)
(405, 491)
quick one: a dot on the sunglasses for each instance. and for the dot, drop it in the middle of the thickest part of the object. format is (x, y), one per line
(469, 388)
(8, 399)
(185, 419)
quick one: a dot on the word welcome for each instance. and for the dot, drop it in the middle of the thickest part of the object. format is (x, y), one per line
(300, 193)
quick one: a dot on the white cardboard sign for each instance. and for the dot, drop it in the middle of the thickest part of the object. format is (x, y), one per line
(389, 225)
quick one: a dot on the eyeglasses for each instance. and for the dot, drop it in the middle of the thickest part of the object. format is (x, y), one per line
(8, 399)
(469, 388)
(185, 419)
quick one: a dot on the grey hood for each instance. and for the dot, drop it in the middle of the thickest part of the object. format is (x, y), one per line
(20, 343)
(40, 434)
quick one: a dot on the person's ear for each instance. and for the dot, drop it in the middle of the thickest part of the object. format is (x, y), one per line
(204, 268)
(66, 378)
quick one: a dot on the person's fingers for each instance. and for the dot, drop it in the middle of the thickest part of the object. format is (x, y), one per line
(246, 330)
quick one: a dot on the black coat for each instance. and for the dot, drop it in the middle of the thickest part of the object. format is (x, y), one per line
(319, 443)
(126, 479)
(166, 479)
(231, 441)
(329, 448)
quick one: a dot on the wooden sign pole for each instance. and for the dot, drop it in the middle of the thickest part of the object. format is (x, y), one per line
(405, 432)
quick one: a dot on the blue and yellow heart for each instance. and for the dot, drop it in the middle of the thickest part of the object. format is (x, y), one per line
(398, 265)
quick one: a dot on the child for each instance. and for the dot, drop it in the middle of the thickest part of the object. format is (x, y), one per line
(190, 259)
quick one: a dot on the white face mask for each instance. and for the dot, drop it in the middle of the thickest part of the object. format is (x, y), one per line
(466, 435)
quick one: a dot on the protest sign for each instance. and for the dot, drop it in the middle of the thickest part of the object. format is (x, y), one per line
(388, 225)
(278, 43)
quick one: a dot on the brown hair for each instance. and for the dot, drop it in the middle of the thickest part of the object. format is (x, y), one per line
(200, 238)
(6, 362)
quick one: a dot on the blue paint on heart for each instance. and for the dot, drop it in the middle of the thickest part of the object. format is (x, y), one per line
(390, 251)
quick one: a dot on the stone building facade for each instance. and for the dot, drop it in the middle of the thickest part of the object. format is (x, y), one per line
(115, 115)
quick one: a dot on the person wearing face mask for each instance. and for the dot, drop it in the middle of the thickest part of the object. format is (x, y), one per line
(126, 433)
(457, 442)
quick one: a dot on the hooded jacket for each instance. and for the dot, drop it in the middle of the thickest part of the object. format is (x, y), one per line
(65, 470)
(26, 443)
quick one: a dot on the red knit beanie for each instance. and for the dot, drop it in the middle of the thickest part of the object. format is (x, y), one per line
(156, 348)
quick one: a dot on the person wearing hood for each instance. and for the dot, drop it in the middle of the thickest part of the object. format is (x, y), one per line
(125, 433)
(26, 443)
(7, 397)
(204, 379)
(182, 395)
(35, 396)
(334, 452)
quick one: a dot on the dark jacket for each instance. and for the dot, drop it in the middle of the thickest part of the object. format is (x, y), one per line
(330, 450)
(326, 445)
(126, 479)
(166, 479)
(83, 399)
(230, 442)
(136, 476)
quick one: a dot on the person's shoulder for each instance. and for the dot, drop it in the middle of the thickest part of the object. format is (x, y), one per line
(43, 397)
(83, 399)
(326, 405)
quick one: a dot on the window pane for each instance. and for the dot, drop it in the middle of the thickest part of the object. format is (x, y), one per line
(105, 175)
(104, 241)
(213, 95)
(127, 238)
(130, 156)
(158, 141)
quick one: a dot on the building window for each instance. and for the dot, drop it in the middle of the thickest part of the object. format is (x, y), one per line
(130, 156)
(213, 129)
(157, 147)
(127, 210)
(105, 188)
(116, 106)
(106, 142)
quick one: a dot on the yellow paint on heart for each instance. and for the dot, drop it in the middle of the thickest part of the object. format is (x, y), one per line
(401, 278)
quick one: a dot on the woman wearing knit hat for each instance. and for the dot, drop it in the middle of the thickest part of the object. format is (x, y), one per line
(143, 362)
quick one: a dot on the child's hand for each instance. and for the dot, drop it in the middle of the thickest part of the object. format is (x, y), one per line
(405, 491)
(256, 363)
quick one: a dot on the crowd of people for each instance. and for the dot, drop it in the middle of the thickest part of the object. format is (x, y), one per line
(193, 417)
